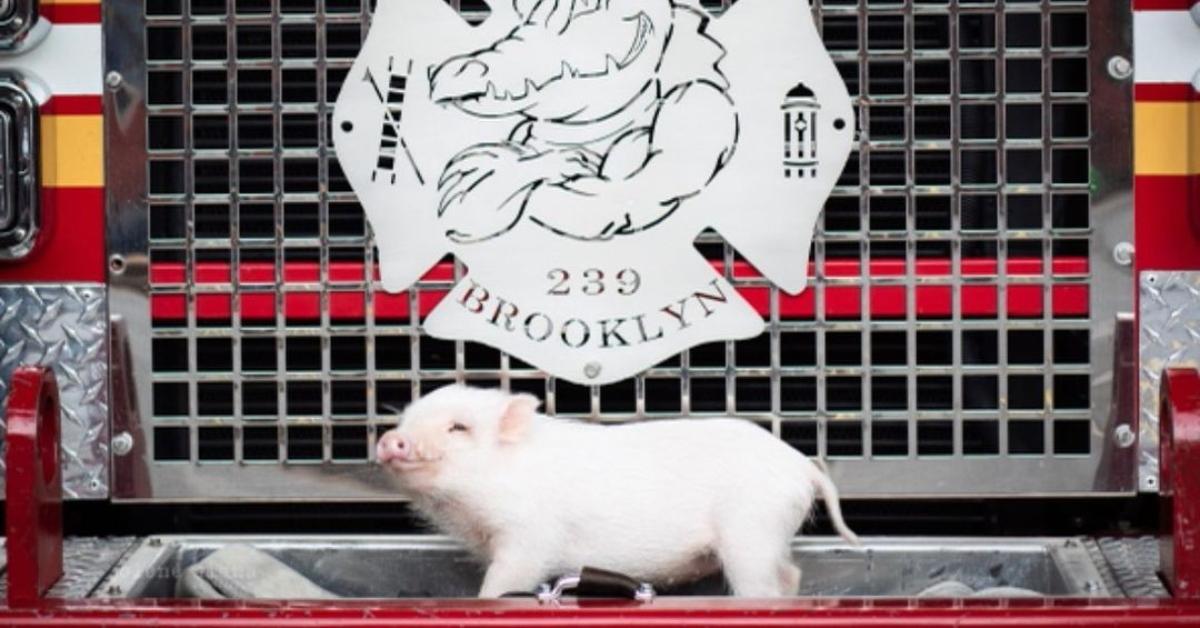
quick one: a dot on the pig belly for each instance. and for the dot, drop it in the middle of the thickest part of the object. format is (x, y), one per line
(662, 554)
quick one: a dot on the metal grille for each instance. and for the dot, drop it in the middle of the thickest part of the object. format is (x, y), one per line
(950, 338)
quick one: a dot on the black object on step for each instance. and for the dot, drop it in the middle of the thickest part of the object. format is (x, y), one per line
(599, 583)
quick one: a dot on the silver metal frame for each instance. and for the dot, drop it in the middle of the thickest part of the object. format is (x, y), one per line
(1102, 471)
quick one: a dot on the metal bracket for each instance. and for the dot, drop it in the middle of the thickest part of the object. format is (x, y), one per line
(33, 486)
(596, 583)
(1180, 481)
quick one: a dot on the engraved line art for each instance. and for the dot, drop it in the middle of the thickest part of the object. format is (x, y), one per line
(606, 96)
(390, 135)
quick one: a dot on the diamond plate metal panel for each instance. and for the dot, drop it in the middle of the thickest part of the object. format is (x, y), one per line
(86, 560)
(65, 327)
(1170, 336)
(1134, 563)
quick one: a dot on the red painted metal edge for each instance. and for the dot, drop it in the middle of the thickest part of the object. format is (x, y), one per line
(33, 486)
(71, 13)
(71, 245)
(1179, 460)
(1163, 224)
(73, 105)
(1162, 5)
(905, 613)
(1162, 92)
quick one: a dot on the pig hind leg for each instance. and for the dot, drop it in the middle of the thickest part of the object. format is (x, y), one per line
(757, 560)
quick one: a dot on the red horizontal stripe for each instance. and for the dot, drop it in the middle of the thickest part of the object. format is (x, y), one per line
(1164, 92)
(73, 105)
(263, 273)
(71, 13)
(1162, 5)
(841, 303)
(71, 242)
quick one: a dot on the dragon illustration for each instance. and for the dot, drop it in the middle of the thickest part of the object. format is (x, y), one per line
(621, 114)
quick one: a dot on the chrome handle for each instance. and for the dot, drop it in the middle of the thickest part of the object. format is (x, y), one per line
(20, 28)
(20, 211)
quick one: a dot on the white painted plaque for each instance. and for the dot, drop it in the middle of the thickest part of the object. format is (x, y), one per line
(569, 152)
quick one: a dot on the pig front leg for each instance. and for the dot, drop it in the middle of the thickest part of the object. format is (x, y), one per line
(512, 570)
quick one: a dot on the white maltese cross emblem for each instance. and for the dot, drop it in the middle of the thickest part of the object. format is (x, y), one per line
(569, 152)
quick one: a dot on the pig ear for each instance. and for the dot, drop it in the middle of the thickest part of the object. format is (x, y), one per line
(518, 414)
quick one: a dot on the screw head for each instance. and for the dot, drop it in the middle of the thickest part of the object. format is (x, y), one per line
(1124, 436)
(113, 79)
(1120, 68)
(122, 444)
(1123, 253)
(592, 370)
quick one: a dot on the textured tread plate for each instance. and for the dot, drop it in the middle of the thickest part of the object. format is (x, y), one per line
(65, 327)
(1169, 337)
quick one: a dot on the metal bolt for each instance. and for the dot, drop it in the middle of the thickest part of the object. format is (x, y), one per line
(116, 264)
(122, 444)
(1151, 482)
(1120, 68)
(592, 370)
(113, 590)
(1123, 253)
(1150, 278)
(1124, 436)
(1091, 586)
(113, 79)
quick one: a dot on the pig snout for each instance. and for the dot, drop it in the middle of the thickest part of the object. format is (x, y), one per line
(393, 447)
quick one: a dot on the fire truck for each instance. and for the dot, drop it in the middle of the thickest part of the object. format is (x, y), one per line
(997, 355)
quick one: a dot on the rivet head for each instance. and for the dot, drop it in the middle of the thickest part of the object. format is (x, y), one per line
(1120, 68)
(122, 444)
(592, 370)
(1123, 253)
(114, 79)
(1124, 436)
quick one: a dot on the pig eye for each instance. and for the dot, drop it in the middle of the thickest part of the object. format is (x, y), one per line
(458, 427)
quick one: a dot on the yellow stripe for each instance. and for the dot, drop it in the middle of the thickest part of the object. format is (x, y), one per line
(1166, 138)
(72, 151)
